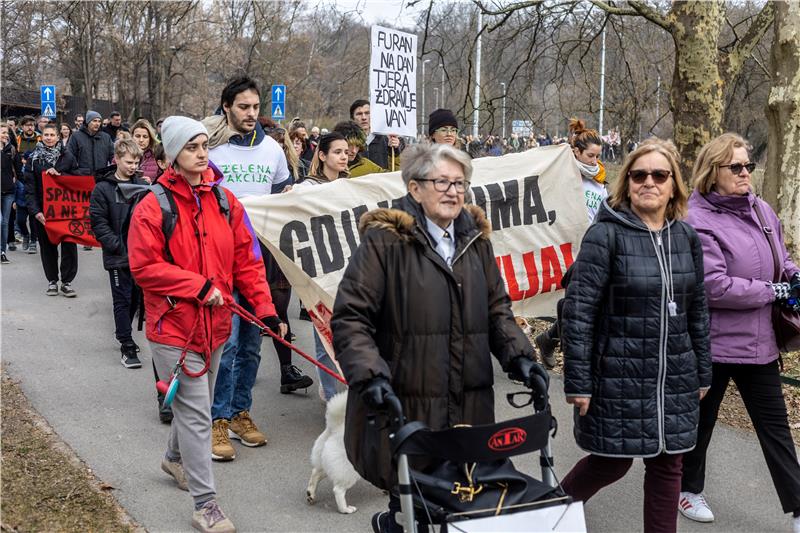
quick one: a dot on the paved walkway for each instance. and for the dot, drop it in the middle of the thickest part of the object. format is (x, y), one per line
(64, 353)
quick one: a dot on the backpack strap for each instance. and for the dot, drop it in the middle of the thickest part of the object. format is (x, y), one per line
(222, 200)
(169, 215)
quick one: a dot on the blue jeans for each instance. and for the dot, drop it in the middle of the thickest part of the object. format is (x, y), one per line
(5, 212)
(238, 367)
(327, 381)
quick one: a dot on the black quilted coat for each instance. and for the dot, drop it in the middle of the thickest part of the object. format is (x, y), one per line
(402, 314)
(641, 366)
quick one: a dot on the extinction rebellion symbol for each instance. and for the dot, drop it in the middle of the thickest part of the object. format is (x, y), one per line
(76, 227)
(507, 439)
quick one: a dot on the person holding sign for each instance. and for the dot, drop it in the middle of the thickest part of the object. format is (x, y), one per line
(419, 310)
(383, 150)
(50, 156)
(185, 284)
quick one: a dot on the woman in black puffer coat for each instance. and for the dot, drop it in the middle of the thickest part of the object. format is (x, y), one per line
(635, 336)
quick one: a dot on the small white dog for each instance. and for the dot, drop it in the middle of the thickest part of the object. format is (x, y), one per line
(328, 457)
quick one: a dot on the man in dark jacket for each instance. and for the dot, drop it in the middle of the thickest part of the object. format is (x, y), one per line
(114, 125)
(49, 156)
(91, 148)
(110, 214)
(379, 148)
(419, 309)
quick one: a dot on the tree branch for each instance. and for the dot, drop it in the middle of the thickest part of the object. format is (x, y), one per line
(732, 63)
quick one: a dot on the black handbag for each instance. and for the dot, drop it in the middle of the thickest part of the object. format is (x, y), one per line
(785, 322)
(477, 488)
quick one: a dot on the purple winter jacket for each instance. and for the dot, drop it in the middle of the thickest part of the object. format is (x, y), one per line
(738, 268)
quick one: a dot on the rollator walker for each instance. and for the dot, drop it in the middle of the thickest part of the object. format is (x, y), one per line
(471, 484)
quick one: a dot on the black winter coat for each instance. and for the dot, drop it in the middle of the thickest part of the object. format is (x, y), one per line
(642, 367)
(110, 215)
(91, 152)
(34, 200)
(10, 168)
(402, 314)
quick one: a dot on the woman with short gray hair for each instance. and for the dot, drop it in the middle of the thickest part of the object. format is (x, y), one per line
(420, 307)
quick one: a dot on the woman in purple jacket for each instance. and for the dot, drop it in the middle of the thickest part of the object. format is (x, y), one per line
(741, 291)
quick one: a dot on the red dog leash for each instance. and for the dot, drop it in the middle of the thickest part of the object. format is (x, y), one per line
(244, 314)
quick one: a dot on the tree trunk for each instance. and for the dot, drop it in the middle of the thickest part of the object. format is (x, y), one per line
(782, 178)
(696, 95)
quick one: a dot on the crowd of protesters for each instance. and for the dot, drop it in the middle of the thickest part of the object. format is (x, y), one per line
(670, 298)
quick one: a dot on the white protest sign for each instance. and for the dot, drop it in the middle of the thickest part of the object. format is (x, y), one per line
(533, 200)
(393, 82)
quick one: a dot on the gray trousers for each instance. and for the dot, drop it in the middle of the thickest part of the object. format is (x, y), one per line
(190, 433)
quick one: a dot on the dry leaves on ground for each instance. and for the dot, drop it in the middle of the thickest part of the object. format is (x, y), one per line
(45, 486)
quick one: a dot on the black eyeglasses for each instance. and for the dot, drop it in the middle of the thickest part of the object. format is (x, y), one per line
(443, 185)
(737, 168)
(640, 176)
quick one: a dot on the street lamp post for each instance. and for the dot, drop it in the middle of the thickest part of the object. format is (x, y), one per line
(477, 100)
(436, 98)
(423, 94)
(602, 81)
(504, 109)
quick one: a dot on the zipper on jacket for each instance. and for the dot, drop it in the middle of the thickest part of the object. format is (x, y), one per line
(662, 343)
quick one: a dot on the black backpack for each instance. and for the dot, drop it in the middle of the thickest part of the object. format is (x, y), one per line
(134, 193)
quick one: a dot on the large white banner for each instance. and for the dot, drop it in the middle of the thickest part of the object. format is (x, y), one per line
(393, 82)
(533, 200)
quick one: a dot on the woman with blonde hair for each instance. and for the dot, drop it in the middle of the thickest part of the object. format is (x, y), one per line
(635, 324)
(748, 273)
(145, 136)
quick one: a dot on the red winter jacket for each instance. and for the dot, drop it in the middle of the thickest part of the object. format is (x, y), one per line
(208, 250)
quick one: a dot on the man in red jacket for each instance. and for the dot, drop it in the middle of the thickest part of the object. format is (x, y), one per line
(210, 254)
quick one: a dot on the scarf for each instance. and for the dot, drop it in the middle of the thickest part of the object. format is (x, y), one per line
(218, 131)
(593, 172)
(48, 156)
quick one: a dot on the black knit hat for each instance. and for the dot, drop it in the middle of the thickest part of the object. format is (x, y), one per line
(441, 118)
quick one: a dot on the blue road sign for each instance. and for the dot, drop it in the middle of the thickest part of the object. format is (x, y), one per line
(48, 100)
(278, 94)
(278, 111)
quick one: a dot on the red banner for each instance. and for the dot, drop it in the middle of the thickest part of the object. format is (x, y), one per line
(66, 208)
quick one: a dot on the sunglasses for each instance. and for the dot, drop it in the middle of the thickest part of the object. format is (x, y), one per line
(737, 168)
(640, 176)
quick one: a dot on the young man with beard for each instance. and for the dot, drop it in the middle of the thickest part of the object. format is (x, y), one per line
(110, 215)
(378, 148)
(251, 163)
(91, 148)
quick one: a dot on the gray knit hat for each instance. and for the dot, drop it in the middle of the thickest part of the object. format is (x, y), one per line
(91, 115)
(176, 132)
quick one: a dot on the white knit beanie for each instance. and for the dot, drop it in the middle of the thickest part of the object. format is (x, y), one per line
(176, 132)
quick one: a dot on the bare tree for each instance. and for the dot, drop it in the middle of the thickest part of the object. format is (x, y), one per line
(782, 179)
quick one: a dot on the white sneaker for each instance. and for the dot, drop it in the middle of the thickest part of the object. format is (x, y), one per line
(694, 507)
(796, 524)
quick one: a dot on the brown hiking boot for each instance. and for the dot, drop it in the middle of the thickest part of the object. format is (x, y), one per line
(221, 447)
(243, 428)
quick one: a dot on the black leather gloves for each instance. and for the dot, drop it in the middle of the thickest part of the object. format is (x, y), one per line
(374, 392)
(534, 376)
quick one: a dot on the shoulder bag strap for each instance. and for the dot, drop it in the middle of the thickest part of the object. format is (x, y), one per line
(769, 233)
(775, 259)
